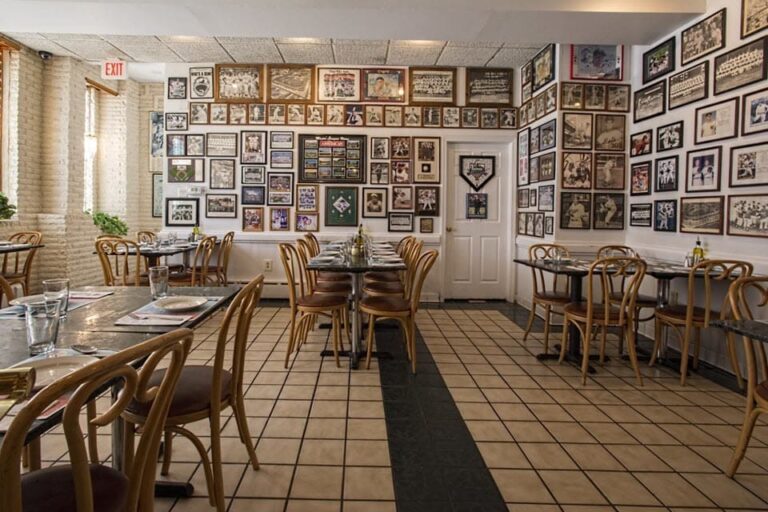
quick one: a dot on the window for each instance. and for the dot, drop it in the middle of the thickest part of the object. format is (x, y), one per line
(90, 144)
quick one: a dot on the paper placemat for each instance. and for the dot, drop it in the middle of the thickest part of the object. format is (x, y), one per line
(151, 315)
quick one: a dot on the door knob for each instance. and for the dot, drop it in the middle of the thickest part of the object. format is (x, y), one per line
(449, 230)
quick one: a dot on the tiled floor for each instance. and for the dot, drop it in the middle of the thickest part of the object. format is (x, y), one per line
(547, 442)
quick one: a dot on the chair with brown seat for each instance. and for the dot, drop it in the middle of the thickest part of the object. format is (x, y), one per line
(17, 266)
(146, 237)
(199, 273)
(221, 269)
(549, 297)
(609, 313)
(745, 297)
(121, 262)
(402, 309)
(204, 391)
(394, 283)
(314, 249)
(87, 485)
(409, 251)
(691, 318)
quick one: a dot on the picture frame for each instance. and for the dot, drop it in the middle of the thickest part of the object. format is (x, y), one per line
(703, 38)
(332, 158)
(296, 114)
(290, 83)
(219, 113)
(431, 86)
(689, 85)
(610, 171)
(702, 170)
(221, 144)
(547, 167)
(753, 19)
(717, 121)
(488, 87)
(379, 173)
(176, 144)
(402, 198)
(548, 135)
(610, 132)
(665, 215)
(641, 143)
(597, 62)
(640, 179)
(477, 171)
(577, 131)
(754, 112)
(550, 95)
(307, 198)
(659, 60)
(176, 121)
(617, 97)
(702, 215)
(426, 160)
(253, 219)
(452, 117)
(507, 117)
(201, 83)
(177, 88)
(393, 116)
(276, 113)
(549, 225)
(253, 147)
(546, 198)
(253, 175)
(741, 66)
(338, 84)
(341, 206)
(157, 194)
(280, 140)
(543, 67)
(742, 209)
(476, 205)
(666, 174)
(534, 144)
(221, 174)
(335, 115)
(375, 202)
(522, 219)
(384, 85)
(400, 222)
(432, 117)
(238, 113)
(470, 117)
(670, 137)
(400, 148)
(182, 211)
(571, 96)
(354, 115)
(186, 170)
(426, 225)
(427, 201)
(749, 165)
(380, 148)
(307, 222)
(251, 195)
(575, 210)
(315, 115)
(220, 206)
(279, 189)
(257, 113)
(608, 211)
(195, 144)
(489, 118)
(374, 115)
(576, 170)
(199, 112)
(523, 198)
(538, 225)
(650, 101)
(156, 141)
(239, 82)
(641, 215)
(523, 150)
(594, 97)
(280, 219)
(412, 116)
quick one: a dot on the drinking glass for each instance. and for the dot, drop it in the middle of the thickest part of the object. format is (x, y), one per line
(57, 289)
(558, 256)
(42, 319)
(158, 281)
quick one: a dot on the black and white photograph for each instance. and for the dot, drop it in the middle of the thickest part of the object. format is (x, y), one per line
(239, 82)
(610, 171)
(426, 159)
(156, 141)
(659, 60)
(290, 83)
(689, 86)
(402, 198)
(374, 115)
(546, 200)
(477, 170)
(470, 117)
(577, 131)
(609, 211)
(666, 174)
(221, 173)
(575, 210)
(334, 115)
(177, 88)
(576, 171)
(276, 113)
(702, 172)
(281, 140)
(253, 147)
(665, 215)
(401, 172)
(176, 144)
(280, 189)
(221, 206)
(196, 144)
(523, 148)
(182, 212)
(452, 117)
(238, 113)
(186, 170)
(547, 167)
(538, 225)
(650, 101)
(354, 115)
(523, 197)
(375, 203)
(412, 116)
(572, 96)
(754, 17)
(379, 148)
(253, 175)
(544, 67)
(535, 143)
(199, 112)
(610, 132)
(281, 159)
(426, 225)
(477, 205)
(393, 115)
(432, 117)
(754, 112)
(594, 97)
(748, 215)
(432, 86)
(400, 222)
(704, 37)
(219, 113)
(379, 173)
(316, 115)
(740, 67)
(488, 86)
(507, 118)
(254, 195)
(669, 137)
(597, 62)
(617, 97)
(702, 215)
(385, 85)
(489, 118)
(257, 113)
(221, 144)
(200, 83)
(641, 215)
(296, 113)
(641, 143)
(176, 121)
(749, 165)
(640, 179)
(401, 148)
(307, 198)
(548, 135)
(157, 195)
(718, 121)
(428, 201)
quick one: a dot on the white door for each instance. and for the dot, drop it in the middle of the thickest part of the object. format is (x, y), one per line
(476, 266)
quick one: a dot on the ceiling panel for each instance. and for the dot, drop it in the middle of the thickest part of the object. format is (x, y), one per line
(301, 40)
(144, 48)
(359, 54)
(256, 50)
(307, 53)
(476, 44)
(39, 43)
(72, 37)
(423, 55)
(93, 49)
(459, 56)
(512, 57)
(200, 52)
(360, 42)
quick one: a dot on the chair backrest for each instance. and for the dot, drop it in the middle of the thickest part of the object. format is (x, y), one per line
(539, 277)
(294, 270)
(171, 349)
(21, 262)
(120, 261)
(6, 291)
(304, 252)
(201, 260)
(146, 237)
(314, 243)
(710, 272)
(402, 243)
(422, 267)
(222, 265)
(609, 251)
(746, 295)
(630, 270)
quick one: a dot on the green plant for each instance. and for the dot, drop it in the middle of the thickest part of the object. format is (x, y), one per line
(110, 224)
(7, 210)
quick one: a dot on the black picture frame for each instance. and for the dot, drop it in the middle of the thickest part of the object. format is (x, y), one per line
(744, 165)
(750, 113)
(475, 175)
(641, 143)
(659, 167)
(702, 214)
(402, 215)
(312, 169)
(608, 211)
(691, 164)
(640, 178)
(253, 195)
(641, 215)
(738, 79)
(193, 201)
(575, 216)
(227, 215)
(701, 32)
(543, 67)
(665, 215)
(748, 16)
(177, 88)
(670, 136)
(736, 228)
(665, 50)
(689, 86)
(650, 102)
(476, 205)
(701, 131)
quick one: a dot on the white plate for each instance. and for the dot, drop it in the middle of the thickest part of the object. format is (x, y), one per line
(51, 368)
(180, 303)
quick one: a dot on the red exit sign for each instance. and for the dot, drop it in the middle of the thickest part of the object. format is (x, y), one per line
(113, 70)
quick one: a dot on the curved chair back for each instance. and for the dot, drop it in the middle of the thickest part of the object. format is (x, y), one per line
(20, 263)
(611, 251)
(713, 271)
(80, 386)
(400, 247)
(146, 237)
(291, 260)
(314, 243)
(202, 260)
(539, 277)
(6, 291)
(120, 261)
(222, 265)
(746, 295)
(421, 269)
(630, 271)
(304, 251)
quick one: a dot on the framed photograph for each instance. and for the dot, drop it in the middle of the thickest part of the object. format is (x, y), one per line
(280, 140)
(538, 225)
(641, 143)
(426, 160)
(550, 99)
(177, 88)
(704, 37)
(379, 173)
(523, 197)
(640, 179)
(534, 144)
(279, 189)
(571, 96)
(379, 148)
(196, 144)
(666, 174)
(702, 215)
(665, 215)
(689, 86)
(222, 144)
(470, 117)
(257, 113)
(617, 98)
(393, 116)
(354, 115)
(253, 219)
(239, 82)
(252, 175)
(753, 17)
(428, 201)
(549, 225)
(609, 211)
(402, 198)
(307, 222)
(199, 112)
(576, 210)
(335, 115)
(576, 171)
(650, 101)
(296, 113)
(548, 135)
(238, 113)
(412, 116)
(385, 85)
(315, 115)
(452, 117)
(432, 117)
(332, 158)
(157, 195)
(308, 198)
(276, 113)
(610, 132)
(533, 197)
(594, 97)
(523, 148)
(641, 215)
(290, 83)
(426, 225)
(156, 141)
(597, 62)
(338, 84)
(669, 137)
(546, 198)
(489, 118)
(253, 195)
(522, 219)
(547, 167)
(176, 144)
(374, 115)
(176, 121)
(747, 214)
(718, 121)
(401, 148)
(755, 112)
(341, 206)
(279, 219)
(749, 165)
(253, 147)
(222, 173)
(477, 171)
(702, 172)
(200, 83)
(543, 67)
(610, 170)
(432, 86)
(659, 60)
(488, 86)
(507, 118)
(577, 131)
(477, 205)
(374, 203)
(182, 212)
(400, 222)
(219, 113)
(221, 206)
(740, 67)
(186, 170)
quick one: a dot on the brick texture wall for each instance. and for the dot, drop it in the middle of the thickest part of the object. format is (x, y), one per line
(147, 95)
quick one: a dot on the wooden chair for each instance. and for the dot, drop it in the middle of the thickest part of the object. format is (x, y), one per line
(395, 283)
(409, 251)
(15, 386)
(6, 292)
(693, 318)
(146, 237)
(314, 250)
(17, 266)
(403, 309)
(745, 296)
(204, 391)
(199, 273)
(87, 485)
(307, 305)
(549, 297)
(222, 260)
(121, 262)
(589, 315)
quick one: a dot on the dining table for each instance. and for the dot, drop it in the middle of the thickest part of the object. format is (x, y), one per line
(336, 257)
(12, 248)
(154, 253)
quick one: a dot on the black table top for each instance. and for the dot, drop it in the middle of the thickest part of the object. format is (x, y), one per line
(5, 249)
(755, 329)
(352, 265)
(580, 268)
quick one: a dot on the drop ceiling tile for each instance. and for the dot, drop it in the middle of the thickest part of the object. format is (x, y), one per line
(417, 43)
(301, 40)
(153, 52)
(118, 40)
(512, 57)
(535, 46)
(200, 52)
(358, 54)
(93, 49)
(360, 42)
(226, 40)
(187, 39)
(45, 45)
(72, 37)
(307, 53)
(413, 55)
(254, 50)
(459, 56)
(23, 35)
(476, 44)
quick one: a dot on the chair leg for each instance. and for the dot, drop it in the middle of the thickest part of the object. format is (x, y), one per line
(238, 407)
(128, 444)
(167, 452)
(586, 339)
(656, 341)
(632, 349)
(347, 328)
(218, 476)
(685, 346)
(547, 319)
(697, 349)
(93, 445)
(603, 341)
(336, 335)
(530, 321)
(412, 342)
(744, 437)
(290, 339)
(734, 360)
(369, 342)
(206, 462)
(563, 340)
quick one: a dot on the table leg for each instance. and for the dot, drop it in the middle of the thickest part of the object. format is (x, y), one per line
(662, 301)
(353, 357)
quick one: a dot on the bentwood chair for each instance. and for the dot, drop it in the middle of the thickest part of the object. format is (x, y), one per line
(380, 283)
(409, 251)
(745, 297)
(314, 249)
(592, 315)
(692, 318)
(199, 273)
(6, 292)
(121, 262)
(221, 268)
(551, 297)
(146, 237)
(17, 267)
(83, 484)
(402, 309)
(204, 391)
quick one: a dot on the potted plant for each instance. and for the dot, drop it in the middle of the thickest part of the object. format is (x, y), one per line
(110, 224)
(7, 210)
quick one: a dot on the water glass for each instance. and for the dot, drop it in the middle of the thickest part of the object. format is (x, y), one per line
(57, 289)
(158, 281)
(42, 319)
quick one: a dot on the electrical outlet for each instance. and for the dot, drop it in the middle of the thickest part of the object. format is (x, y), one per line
(267, 265)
